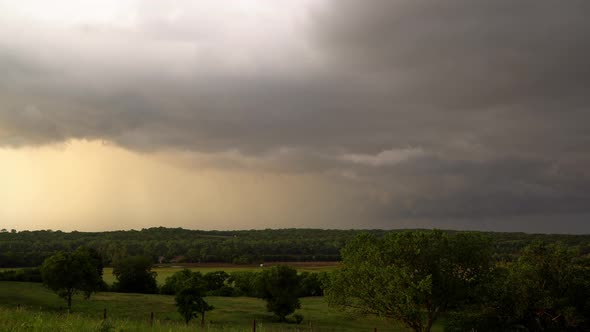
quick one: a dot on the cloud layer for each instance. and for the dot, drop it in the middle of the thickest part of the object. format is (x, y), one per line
(457, 114)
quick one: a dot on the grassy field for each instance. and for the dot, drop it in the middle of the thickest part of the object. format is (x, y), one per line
(131, 311)
(165, 271)
(15, 320)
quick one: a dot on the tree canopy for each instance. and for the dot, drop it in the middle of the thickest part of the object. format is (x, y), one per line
(190, 304)
(280, 286)
(67, 273)
(30, 248)
(182, 280)
(546, 289)
(134, 275)
(411, 276)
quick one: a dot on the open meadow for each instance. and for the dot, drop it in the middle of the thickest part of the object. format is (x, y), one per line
(132, 311)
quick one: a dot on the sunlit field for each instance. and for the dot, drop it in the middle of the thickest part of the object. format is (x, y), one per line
(167, 270)
(132, 312)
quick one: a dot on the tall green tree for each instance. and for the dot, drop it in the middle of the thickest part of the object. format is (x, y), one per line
(190, 304)
(94, 281)
(547, 289)
(280, 286)
(411, 276)
(134, 275)
(69, 273)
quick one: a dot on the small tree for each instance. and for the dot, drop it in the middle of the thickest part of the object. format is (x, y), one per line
(182, 280)
(215, 280)
(244, 283)
(69, 273)
(190, 304)
(134, 275)
(280, 286)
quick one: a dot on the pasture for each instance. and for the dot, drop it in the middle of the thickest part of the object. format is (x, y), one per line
(230, 313)
(166, 270)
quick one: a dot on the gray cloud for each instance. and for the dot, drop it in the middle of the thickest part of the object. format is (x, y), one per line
(492, 94)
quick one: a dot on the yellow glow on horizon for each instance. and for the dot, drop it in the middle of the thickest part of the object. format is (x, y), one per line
(86, 185)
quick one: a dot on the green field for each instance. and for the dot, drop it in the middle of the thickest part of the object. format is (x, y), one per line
(230, 314)
(166, 271)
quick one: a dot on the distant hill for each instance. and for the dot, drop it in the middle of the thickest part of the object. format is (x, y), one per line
(30, 248)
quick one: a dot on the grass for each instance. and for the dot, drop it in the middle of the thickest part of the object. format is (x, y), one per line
(12, 320)
(131, 312)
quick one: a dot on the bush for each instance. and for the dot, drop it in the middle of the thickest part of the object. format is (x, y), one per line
(135, 275)
(26, 275)
(244, 283)
(312, 284)
(298, 318)
(215, 280)
(225, 291)
(182, 280)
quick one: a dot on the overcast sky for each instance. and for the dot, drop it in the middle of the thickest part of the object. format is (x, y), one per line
(457, 114)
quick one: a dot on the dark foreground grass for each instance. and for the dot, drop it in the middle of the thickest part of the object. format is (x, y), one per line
(131, 312)
(17, 320)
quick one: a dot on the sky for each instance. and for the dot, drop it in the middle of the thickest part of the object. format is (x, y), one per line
(243, 114)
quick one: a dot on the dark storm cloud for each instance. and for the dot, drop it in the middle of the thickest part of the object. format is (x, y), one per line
(466, 54)
(497, 188)
(505, 84)
(447, 110)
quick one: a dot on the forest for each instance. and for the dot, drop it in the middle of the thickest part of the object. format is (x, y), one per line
(177, 245)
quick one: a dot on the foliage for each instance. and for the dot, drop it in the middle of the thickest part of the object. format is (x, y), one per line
(215, 280)
(190, 304)
(27, 275)
(312, 284)
(244, 283)
(134, 275)
(68, 273)
(30, 248)
(184, 279)
(280, 286)
(545, 289)
(411, 276)
(239, 283)
(298, 318)
(98, 284)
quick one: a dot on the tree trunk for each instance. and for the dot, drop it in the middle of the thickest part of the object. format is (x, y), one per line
(69, 301)
(432, 316)
(203, 319)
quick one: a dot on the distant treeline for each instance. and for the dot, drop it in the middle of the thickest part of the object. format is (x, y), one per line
(163, 245)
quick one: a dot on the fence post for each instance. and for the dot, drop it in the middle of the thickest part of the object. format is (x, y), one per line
(152, 319)
(254, 326)
(104, 314)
